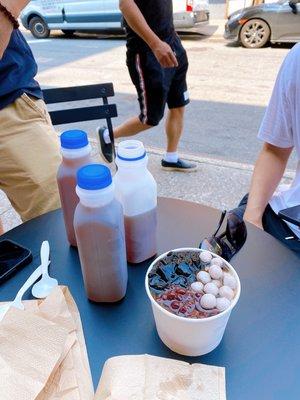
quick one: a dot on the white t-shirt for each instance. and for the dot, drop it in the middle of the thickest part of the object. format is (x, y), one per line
(281, 126)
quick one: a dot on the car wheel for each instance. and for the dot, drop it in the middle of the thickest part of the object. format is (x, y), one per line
(255, 34)
(67, 32)
(39, 28)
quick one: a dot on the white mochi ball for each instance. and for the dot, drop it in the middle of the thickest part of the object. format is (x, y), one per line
(216, 272)
(223, 303)
(229, 280)
(203, 277)
(208, 301)
(211, 288)
(217, 261)
(217, 283)
(226, 291)
(205, 256)
(197, 287)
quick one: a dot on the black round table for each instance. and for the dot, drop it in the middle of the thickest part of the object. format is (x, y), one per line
(260, 349)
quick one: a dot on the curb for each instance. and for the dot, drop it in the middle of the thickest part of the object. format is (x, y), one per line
(289, 174)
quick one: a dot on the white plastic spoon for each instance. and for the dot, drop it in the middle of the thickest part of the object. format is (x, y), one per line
(44, 287)
(17, 302)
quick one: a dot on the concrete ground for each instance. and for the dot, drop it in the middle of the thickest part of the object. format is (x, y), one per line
(229, 89)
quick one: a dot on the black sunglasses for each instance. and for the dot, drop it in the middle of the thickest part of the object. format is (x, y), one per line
(229, 242)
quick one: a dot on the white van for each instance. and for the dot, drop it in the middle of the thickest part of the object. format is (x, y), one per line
(42, 16)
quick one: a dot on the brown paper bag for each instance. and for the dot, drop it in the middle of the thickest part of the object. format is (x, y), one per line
(42, 351)
(72, 381)
(154, 378)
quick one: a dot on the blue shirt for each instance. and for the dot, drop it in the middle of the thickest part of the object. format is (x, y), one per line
(17, 71)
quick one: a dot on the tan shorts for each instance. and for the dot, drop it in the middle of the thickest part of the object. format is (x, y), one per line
(29, 157)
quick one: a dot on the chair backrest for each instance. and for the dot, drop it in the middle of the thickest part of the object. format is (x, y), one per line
(79, 93)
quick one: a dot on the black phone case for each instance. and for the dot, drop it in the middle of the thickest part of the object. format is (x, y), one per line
(27, 260)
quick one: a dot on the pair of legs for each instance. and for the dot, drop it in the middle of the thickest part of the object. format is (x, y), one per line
(272, 224)
(156, 87)
(174, 128)
(30, 156)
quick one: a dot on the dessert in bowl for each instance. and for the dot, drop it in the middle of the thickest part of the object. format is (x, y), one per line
(192, 293)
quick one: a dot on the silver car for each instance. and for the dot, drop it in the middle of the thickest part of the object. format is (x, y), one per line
(69, 16)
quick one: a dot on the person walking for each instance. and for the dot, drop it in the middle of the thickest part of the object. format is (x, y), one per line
(29, 148)
(157, 64)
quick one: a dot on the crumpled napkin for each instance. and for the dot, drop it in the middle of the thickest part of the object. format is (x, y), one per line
(42, 351)
(153, 378)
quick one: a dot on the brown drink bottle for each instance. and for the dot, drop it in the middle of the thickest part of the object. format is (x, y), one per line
(100, 234)
(76, 152)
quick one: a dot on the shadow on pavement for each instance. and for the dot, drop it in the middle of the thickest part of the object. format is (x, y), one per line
(111, 35)
(282, 45)
(271, 45)
(58, 54)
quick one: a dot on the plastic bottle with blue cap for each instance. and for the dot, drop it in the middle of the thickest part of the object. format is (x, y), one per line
(76, 152)
(100, 234)
(136, 190)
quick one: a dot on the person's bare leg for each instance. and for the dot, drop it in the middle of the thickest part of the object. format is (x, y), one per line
(131, 127)
(174, 128)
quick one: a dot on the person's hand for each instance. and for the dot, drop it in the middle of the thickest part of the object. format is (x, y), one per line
(6, 29)
(164, 54)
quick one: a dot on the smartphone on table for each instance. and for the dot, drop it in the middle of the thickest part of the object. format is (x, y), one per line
(13, 257)
(291, 215)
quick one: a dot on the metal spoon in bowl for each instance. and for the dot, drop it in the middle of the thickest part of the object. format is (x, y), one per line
(44, 286)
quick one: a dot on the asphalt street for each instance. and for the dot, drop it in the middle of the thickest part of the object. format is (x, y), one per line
(229, 88)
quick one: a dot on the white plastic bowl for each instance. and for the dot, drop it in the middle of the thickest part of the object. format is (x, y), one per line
(189, 336)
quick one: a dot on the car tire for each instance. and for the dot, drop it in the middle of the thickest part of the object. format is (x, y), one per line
(67, 32)
(255, 34)
(39, 28)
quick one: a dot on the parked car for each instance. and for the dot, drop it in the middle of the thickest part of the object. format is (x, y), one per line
(255, 26)
(42, 16)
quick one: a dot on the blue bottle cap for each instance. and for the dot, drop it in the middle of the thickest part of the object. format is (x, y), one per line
(94, 177)
(73, 139)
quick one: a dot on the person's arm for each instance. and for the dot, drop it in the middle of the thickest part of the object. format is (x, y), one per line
(135, 19)
(268, 172)
(6, 28)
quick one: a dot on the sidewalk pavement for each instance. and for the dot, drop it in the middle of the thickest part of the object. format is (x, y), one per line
(216, 183)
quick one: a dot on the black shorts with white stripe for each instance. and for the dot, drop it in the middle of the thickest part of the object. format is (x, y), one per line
(157, 86)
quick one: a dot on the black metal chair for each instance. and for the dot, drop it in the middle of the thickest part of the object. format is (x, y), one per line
(80, 93)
